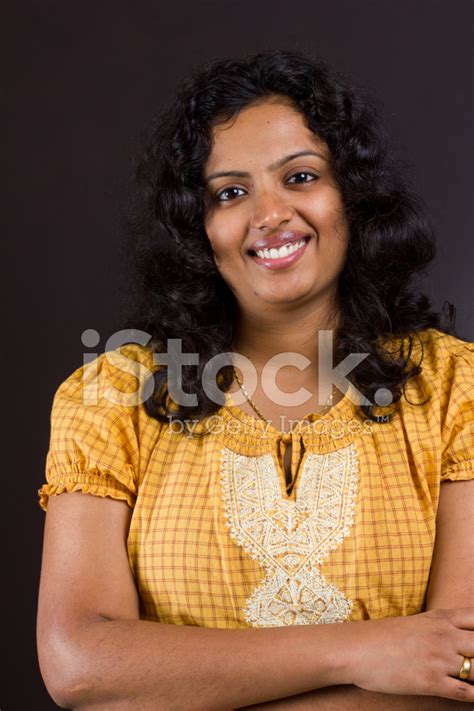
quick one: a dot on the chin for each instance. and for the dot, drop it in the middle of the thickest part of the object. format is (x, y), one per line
(286, 296)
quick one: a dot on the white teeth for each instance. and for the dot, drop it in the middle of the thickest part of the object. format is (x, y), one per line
(284, 251)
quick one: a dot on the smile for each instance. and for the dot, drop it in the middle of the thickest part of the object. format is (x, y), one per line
(282, 257)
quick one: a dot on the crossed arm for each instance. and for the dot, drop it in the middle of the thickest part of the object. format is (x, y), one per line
(95, 653)
(451, 585)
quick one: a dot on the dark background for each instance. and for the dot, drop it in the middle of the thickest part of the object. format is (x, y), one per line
(80, 79)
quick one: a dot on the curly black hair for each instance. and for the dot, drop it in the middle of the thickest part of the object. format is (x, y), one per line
(175, 289)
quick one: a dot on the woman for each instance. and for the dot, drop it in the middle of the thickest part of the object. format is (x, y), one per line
(206, 546)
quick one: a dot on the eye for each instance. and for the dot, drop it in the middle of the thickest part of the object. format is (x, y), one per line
(306, 173)
(219, 198)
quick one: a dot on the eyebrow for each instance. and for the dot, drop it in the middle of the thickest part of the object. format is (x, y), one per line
(273, 166)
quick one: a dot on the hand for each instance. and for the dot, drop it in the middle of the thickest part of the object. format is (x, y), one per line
(419, 654)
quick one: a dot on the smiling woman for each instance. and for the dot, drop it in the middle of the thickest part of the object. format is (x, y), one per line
(224, 553)
(278, 232)
(249, 151)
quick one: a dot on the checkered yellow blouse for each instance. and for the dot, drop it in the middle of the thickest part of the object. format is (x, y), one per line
(215, 539)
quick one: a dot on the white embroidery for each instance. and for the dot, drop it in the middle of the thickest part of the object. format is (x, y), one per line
(290, 538)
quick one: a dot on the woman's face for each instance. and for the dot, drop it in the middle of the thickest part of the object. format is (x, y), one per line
(268, 200)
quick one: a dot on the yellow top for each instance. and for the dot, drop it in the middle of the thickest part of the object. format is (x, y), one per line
(216, 541)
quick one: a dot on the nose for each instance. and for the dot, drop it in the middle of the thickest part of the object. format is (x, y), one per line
(270, 211)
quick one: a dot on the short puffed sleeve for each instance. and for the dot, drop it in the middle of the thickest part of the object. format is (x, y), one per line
(458, 415)
(96, 417)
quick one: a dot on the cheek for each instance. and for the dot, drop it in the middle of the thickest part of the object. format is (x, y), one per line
(224, 238)
(222, 251)
(216, 256)
(216, 247)
(326, 207)
(329, 218)
(213, 237)
(329, 214)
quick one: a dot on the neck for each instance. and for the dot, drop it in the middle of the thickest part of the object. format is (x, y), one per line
(260, 337)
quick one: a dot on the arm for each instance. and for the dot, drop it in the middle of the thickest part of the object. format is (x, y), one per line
(351, 698)
(451, 581)
(94, 649)
(95, 652)
(451, 584)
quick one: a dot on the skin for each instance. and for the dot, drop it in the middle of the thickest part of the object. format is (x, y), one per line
(96, 653)
(279, 310)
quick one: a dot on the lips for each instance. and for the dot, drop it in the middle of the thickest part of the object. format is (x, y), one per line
(278, 240)
(276, 260)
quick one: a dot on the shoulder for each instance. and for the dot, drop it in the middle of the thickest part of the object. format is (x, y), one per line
(441, 356)
(448, 362)
(101, 435)
(106, 395)
(121, 376)
(443, 346)
(446, 378)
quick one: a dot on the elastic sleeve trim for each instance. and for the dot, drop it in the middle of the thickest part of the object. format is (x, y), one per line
(462, 471)
(103, 485)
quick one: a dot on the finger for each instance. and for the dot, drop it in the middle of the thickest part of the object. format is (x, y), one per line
(463, 642)
(456, 689)
(458, 665)
(462, 617)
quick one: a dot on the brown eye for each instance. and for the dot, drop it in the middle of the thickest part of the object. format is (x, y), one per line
(223, 192)
(313, 176)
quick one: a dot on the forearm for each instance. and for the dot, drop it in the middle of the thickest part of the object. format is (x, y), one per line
(122, 665)
(126, 664)
(351, 698)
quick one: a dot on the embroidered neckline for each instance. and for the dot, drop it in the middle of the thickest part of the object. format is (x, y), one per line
(291, 538)
(251, 436)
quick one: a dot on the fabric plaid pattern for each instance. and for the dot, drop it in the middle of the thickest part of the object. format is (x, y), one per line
(216, 541)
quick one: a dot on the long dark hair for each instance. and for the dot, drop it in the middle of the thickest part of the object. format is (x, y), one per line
(175, 290)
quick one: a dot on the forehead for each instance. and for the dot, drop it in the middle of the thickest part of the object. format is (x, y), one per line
(268, 129)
